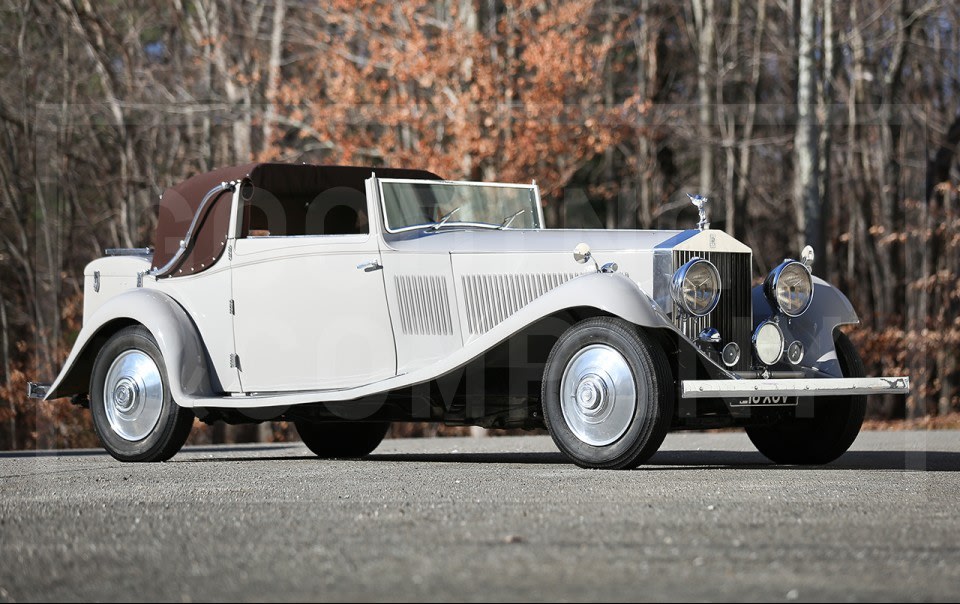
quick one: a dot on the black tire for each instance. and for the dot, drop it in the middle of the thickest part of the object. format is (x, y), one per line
(173, 425)
(351, 440)
(653, 390)
(829, 433)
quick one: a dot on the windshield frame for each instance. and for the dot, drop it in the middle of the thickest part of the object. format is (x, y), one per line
(455, 224)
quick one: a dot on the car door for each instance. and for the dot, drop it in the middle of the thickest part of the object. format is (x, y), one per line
(310, 310)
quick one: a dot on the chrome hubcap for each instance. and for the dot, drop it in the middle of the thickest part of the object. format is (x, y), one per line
(133, 395)
(591, 394)
(598, 395)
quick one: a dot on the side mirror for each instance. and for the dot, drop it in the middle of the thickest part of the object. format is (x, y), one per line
(582, 253)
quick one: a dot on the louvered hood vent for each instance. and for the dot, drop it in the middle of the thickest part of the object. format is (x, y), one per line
(490, 299)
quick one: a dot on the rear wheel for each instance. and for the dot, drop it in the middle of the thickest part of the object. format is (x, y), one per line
(829, 433)
(134, 415)
(607, 394)
(341, 439)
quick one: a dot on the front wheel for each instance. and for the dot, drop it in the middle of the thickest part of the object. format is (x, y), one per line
(341, 439)
(134, 415)
(829, 433)
(607, 394)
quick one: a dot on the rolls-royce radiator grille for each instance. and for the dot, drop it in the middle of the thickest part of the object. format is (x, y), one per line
(733, 315)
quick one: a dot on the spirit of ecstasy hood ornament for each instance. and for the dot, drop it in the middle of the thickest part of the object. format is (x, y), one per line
(701, 203)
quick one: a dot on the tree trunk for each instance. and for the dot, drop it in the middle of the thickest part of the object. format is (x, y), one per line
(806, 179)
(826, 138)
(273, 71)
(646, 50)
(746, 135)
(940, 199)
(5, 343)
(703, 15)
(610, 220)
(728, 125)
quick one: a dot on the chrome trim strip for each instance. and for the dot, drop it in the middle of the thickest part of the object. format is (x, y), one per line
(145, 252)
(536, 194)
(794, 387)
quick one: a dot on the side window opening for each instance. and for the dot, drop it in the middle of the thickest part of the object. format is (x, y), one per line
(334, 211)
(337, 211)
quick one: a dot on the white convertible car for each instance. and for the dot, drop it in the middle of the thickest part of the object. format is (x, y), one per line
(346, 298)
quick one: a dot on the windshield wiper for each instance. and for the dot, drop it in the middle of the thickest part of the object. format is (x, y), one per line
(506, 221)
(443, 219)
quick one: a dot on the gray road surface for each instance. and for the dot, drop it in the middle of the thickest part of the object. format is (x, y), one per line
(485, 519)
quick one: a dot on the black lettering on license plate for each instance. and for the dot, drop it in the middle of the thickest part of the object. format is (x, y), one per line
(766, 401)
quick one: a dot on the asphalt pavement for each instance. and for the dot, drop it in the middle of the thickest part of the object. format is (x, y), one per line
(485, 519)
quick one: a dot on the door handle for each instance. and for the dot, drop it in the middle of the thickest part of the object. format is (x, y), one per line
(370, 266)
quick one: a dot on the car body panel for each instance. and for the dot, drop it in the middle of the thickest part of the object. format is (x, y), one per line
(206, 299)
(422, 297)
(107, 277)
(610, 294)
(306, 318)
(193, 384)
(178, 339)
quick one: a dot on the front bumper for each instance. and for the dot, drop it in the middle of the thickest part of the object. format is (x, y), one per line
(793, 387)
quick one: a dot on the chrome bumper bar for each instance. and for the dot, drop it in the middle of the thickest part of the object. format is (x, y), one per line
(793, 387)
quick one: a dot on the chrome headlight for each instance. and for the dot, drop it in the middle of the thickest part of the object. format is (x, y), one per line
(768, 343)
(696, 287)
(789, 288)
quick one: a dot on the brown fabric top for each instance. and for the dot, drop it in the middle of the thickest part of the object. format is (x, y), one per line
(179, 204)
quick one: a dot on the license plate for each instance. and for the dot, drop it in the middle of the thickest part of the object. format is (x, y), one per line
(766, 401)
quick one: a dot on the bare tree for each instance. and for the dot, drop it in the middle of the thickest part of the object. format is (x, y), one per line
(703, 15)
(806, 192)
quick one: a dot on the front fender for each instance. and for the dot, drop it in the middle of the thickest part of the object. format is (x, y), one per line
(177, 337)
(614, 294)
(829, 309)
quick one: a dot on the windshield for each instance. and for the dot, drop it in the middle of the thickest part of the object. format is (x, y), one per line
(442, 204)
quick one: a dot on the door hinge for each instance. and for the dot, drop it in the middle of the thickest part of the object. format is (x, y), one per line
(233, 308)
(234, 360)
(229, 252)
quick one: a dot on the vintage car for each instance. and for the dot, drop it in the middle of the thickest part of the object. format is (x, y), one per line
(346, 298)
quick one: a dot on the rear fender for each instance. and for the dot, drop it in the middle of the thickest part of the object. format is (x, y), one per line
(177, 337)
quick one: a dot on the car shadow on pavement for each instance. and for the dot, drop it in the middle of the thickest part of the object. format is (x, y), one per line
(697, 460)
(26, 454)
(100, 452)
(533, 458)
(941, 461)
